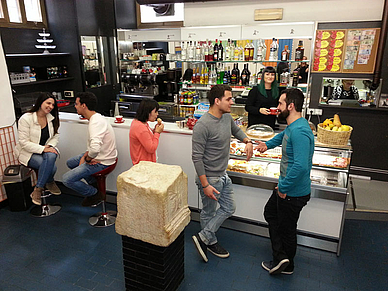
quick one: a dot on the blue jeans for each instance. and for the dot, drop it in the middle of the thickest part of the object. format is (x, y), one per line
(72, 179)
(211, 218)
(45, 164)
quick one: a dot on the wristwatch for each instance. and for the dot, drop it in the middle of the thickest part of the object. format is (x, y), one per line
(248, 141)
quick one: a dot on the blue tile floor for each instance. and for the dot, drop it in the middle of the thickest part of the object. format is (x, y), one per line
(63, 252)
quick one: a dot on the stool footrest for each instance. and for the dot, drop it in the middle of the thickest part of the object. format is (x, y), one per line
(45, 210)
(103, 219)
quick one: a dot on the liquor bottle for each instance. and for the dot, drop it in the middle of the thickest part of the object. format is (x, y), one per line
(184, 52)
(259, 75)
(251, 50)
(261, 50)
(227, 51)
(231, 53)
(234, 79)
(284, 78)
(299, 52)
(206, 75)
(273, 53)
(285, 54)
(236, 51)
(245, 76)
(198, 56)
(226, 76)
(215, 49)
(206, 51)
(246, 51)
(194, 76)
(198, 76)
(202, 77)
(241, 51)
(295, 78)
(220, 51)
(211, 51)
(191, 51)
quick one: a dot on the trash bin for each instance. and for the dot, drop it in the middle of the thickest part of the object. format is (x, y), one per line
(17, 183)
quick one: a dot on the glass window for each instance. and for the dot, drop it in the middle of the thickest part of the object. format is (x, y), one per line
(33, 11)
(1, 11)
(14, 11)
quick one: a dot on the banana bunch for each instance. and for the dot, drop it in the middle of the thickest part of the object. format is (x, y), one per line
(335, 125)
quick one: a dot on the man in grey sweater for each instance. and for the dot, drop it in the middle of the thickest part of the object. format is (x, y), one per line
(210, 154)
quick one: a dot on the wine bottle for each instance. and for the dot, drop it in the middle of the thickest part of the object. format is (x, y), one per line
(220, 51)
(215, 54)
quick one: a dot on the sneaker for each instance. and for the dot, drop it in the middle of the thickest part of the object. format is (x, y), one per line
(217, 250)
(36, 195)
(94, 200)
(289, 270)
(201, 247)
(53, 188)
(274, 268)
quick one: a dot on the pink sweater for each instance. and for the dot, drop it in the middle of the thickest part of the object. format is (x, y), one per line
(142, 142)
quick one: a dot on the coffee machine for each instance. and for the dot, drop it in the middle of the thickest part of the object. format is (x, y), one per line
(140, 84)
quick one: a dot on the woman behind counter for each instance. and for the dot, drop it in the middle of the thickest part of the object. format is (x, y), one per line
(38, 137)
(346, 91)
(261, 98)
(143, 141)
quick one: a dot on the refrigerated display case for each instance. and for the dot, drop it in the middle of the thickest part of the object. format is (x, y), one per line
(322, 220)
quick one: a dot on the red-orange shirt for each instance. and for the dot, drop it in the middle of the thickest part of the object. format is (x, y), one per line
(142, 142)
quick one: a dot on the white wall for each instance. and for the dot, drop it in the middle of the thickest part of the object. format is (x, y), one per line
(242, 11)
(7, 112)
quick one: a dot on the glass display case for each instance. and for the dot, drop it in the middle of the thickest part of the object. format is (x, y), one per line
(329, 190)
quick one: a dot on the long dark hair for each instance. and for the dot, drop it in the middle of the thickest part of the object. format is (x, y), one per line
(274, 85)
(145, 108)
(43, 96)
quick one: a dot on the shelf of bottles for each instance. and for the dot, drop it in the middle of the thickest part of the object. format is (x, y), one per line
(215, 64)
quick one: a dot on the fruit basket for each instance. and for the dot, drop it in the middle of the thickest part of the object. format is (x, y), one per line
(333, 137)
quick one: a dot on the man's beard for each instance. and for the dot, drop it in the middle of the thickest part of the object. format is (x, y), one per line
(282, 117)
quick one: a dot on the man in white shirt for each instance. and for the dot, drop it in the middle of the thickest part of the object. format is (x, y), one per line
(101, 151)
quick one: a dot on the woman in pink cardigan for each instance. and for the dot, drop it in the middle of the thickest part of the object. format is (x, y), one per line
(143, 141)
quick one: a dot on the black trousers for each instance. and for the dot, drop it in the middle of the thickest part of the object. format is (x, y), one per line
(282, 216)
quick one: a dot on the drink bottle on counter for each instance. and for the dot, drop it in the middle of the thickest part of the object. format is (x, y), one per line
(299, 52)
(284, 78)
(235, 76)
(211, 51)
(247, 51)
(227, 51)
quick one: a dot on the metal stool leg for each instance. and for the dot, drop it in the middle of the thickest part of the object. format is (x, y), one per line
(104, 218)
(45, 209)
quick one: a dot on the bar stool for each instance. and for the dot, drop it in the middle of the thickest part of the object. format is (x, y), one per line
(106, 217)
(45, 209)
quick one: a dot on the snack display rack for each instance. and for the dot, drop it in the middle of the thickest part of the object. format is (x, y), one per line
(329, 190)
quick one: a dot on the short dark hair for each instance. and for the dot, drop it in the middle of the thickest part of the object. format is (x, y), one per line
(43, 96)
(294, 95)
(217, 91)
(89, 99)
(145, 108)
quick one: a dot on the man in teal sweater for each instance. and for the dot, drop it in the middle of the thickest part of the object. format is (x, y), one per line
(293, 191)
(210, 155)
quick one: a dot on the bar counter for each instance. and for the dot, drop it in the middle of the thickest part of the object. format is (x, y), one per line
(321, 221)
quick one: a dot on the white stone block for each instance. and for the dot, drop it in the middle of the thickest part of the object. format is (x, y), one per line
(152, 203)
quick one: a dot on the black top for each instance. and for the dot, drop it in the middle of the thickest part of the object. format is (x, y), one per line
(256, 101)
(303, 74)
(44, 135)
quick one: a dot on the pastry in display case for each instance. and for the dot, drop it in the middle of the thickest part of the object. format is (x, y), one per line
(330, 165)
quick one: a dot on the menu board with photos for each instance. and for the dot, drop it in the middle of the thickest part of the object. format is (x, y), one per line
(329, 50)
(361, 49)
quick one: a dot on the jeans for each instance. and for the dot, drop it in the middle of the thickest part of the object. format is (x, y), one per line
(72, 179)
(45, 164)
(211, 218)
(282, 216)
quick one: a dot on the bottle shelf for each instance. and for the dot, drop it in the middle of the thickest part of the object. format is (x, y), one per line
(259, 62)
(42, 82)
